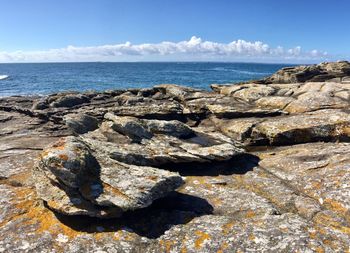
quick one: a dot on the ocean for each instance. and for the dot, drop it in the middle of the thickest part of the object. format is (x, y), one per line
(46, 78)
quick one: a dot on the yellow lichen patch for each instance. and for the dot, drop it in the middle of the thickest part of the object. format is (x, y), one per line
(99, 236)
(313, 234)
(34, 213)
(330, 222)
(335, 206)
(251, 237)
(44, 154)
(215, 202)
(223, 247)
(110, 189)
(117, 236)
(250, 214)
(202, 236)
(226, 228)
(319, 250)
(166, 244)
(316, 185)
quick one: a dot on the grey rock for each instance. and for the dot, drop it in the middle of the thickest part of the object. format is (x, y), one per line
(81, 123)
(69, 100)
(77, 182)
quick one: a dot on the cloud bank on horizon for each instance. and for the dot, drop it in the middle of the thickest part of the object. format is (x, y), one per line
(194, 49)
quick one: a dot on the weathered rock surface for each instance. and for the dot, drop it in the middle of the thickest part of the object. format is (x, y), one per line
(253, 167)
(75, 182)
(322, 125)
(313, 73)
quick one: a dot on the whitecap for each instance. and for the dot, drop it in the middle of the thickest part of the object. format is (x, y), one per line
(245, 72)
(3, 77)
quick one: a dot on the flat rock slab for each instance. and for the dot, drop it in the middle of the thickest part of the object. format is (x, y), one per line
(320, 171)
(269, 233)
(321, 125)
(159, 143)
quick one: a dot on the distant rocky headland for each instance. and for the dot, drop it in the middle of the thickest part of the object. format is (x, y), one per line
(262, 166)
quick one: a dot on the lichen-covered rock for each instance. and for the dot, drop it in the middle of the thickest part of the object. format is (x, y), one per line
(320, 72)
(322, 125)
(317, 170)
(155, 146)
(74, 181)
(271, 233)
(116, 185)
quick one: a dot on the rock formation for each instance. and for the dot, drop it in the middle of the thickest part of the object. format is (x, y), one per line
(258, 167)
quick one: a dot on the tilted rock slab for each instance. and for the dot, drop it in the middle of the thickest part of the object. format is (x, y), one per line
(158, 142)
(107, 172)
(75, 181)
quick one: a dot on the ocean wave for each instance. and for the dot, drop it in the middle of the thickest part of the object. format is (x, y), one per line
(240, 71)
(3, 77)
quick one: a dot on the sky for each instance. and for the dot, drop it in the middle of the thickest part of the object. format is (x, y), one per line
(174, 30)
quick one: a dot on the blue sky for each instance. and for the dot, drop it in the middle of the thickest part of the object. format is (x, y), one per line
(289, 31)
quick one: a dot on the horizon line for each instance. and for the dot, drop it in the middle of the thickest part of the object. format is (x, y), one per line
(169, 61)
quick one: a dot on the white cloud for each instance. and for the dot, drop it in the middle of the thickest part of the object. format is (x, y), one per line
(193, 49)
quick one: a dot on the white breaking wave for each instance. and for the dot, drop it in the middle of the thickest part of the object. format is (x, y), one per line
(3, 77)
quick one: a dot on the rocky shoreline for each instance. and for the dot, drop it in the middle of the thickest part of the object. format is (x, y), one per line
(253, 167)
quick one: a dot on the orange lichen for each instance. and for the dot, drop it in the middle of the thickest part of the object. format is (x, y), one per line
(328, 221)
(313, 234)
(250, 214)
(64, 157)
(166, 244)
(319, 250)
(59, 144)
(153, 178)
(251, 237)
(111, 189)
(216, 202)
(34, 213)
(202, 236)
(227, 228)
(44, 154)
(335, 206)
(316, 185)
(223, 247)
(184, 249)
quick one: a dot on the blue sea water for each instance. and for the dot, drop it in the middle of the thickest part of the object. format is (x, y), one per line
(45, 78)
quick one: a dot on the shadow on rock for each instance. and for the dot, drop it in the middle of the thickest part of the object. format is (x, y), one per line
(239, 164)
(150, 222)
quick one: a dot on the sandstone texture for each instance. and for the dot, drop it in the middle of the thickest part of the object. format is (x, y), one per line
(253, 167)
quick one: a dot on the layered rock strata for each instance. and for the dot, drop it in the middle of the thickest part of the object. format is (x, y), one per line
(253, 167)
